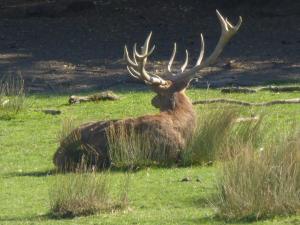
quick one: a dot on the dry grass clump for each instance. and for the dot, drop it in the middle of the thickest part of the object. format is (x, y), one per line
(12, 96)
(259, 184)
(82, 194)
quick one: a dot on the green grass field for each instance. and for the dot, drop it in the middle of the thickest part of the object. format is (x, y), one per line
(156, 195)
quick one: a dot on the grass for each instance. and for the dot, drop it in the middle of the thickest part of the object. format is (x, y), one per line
(260, 184)
(157, 195)
(131, 149)
(211, 133)
(83, 194)
(67, 125)
(12, 96)
(218, 133)
(63, 158)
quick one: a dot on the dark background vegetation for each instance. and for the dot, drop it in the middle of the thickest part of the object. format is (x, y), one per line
(75, 45)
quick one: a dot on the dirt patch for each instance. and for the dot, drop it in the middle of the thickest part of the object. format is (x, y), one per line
(77, 45)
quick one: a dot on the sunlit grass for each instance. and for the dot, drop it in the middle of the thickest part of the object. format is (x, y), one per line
(29, 140)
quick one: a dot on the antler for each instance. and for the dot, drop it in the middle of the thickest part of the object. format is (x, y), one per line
(136, 66)
(186, 57)
(228, 31)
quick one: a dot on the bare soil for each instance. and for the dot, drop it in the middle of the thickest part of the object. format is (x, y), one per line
(71, 45)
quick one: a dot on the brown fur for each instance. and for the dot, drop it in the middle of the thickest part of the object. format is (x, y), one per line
(173, 126)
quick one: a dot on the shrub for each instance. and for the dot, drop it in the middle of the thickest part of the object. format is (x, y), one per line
(86, 193)
(12, 96)
(258, 184)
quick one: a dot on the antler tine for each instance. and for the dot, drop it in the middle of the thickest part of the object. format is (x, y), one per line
(144, 48)
(133, 50)
(172, 58)
(146, 44)
(136, 66)
(133, 72)
(186, 61)
(228, 30)
(202, 51)
(143, 55)
(226, 25)
(128, 59)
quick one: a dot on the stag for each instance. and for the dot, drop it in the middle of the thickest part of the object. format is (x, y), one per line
(174, 124)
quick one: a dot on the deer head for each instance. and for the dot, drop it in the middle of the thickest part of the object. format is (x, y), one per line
(170, 87)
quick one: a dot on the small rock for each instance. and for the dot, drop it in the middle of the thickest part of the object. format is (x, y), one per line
(186, 179)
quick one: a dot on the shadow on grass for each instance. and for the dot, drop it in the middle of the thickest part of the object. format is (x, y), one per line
(31, 174)
(214, 220)
(207, 202)
(32, 219)
(51, 172)
(125, 169)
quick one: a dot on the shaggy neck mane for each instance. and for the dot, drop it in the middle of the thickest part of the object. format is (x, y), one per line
(183, 115)
(183, 104)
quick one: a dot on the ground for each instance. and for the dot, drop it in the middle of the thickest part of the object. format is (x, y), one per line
(79, 46)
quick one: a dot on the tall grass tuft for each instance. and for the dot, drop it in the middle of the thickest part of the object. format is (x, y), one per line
(130, 149)
(212, 132)
(12, 96)
(259, 184)
(68, 124)
(82, 194)
(251, 133)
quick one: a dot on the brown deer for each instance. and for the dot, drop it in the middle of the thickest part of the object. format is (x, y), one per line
(172, 127)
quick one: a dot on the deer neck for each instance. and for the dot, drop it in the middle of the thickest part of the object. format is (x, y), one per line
(182, 105)
(182, 115)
